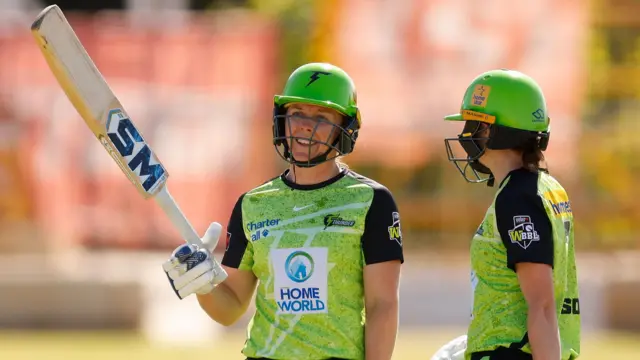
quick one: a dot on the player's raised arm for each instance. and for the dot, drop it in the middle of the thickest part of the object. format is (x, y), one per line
(229, 301)
(195, 271)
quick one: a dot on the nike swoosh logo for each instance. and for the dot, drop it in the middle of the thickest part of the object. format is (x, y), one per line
(296, 208)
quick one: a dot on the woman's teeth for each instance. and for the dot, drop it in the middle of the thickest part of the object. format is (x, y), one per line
(305, 142)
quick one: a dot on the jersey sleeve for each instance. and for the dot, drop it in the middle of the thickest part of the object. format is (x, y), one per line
(238, 253)
(525, 228)
(382, 237)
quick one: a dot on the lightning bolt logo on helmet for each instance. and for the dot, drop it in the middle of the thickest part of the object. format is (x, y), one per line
(315, 76)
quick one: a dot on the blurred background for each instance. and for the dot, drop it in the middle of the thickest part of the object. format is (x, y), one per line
(80, 251)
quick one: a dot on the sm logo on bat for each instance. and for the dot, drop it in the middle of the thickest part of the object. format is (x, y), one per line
(141, 161)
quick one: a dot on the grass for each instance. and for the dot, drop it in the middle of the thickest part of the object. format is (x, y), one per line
(412, 344)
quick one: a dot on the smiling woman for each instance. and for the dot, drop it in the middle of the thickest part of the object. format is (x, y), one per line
(311, 129)
(321, 242)
(316, 121)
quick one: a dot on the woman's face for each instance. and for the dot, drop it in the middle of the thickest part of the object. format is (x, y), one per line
(311, 129)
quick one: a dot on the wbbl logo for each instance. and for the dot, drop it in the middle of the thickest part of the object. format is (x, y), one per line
(523, 232)
(395, 233)
(131, 146)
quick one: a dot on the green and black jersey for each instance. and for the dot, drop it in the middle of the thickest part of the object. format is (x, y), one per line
(530, 220)
(308, 246)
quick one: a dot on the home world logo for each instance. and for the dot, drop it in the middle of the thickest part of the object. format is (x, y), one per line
(301, 281)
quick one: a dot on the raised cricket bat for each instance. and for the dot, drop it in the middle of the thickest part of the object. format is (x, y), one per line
(106, 117)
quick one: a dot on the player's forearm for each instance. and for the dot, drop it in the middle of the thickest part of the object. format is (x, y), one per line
(544, 338)
(222, 305)
(381, 330)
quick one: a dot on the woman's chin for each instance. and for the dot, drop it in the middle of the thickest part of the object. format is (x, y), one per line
(302, 156)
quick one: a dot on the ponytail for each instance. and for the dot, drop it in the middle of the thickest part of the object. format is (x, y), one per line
(532, 156)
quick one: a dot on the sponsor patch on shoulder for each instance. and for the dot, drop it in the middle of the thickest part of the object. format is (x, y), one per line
(523, 232)
(395, 233)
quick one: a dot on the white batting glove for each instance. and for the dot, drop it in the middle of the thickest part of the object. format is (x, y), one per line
(192, 269)
(453, 350)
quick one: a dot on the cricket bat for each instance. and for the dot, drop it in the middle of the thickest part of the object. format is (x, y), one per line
(92, 97)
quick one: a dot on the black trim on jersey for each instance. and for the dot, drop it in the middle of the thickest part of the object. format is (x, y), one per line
(523, 223)
(501, 353)
(513, 352)
(295, 186)
(522, 343)
(382, 237)
(236, 240)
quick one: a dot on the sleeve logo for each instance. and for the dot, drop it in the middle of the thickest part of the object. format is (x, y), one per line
(523, 232)
(395, 233)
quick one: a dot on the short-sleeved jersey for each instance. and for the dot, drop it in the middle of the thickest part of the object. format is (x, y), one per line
(530, 220)
(308, 246)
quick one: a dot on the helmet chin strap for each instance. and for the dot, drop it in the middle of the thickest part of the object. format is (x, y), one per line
(481, 168)
(312, 162)
(306, 164)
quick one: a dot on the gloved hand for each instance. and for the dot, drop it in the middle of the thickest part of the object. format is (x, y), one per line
(192, 269)
(453, 350)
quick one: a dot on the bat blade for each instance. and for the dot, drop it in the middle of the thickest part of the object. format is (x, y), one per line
(96, 103)
(103, 113)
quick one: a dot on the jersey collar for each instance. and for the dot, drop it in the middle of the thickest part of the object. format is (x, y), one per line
(510, 174)
(328, 182)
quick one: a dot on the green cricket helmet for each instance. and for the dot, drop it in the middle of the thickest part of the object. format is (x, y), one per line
(511, 106)
(324, 85)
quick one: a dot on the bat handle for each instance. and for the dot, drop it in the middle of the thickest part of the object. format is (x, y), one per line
(171, 208)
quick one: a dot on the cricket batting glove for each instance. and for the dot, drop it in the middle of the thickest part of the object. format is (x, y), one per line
(192, 269)
(453, 350)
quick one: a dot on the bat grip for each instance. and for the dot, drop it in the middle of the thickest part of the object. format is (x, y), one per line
(172, 210)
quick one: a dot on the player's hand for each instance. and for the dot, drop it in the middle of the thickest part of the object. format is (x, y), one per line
(453, 350)
(192, 269)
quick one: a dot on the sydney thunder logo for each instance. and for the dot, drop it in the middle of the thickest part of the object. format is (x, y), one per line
(336, 220)
(315, 76)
